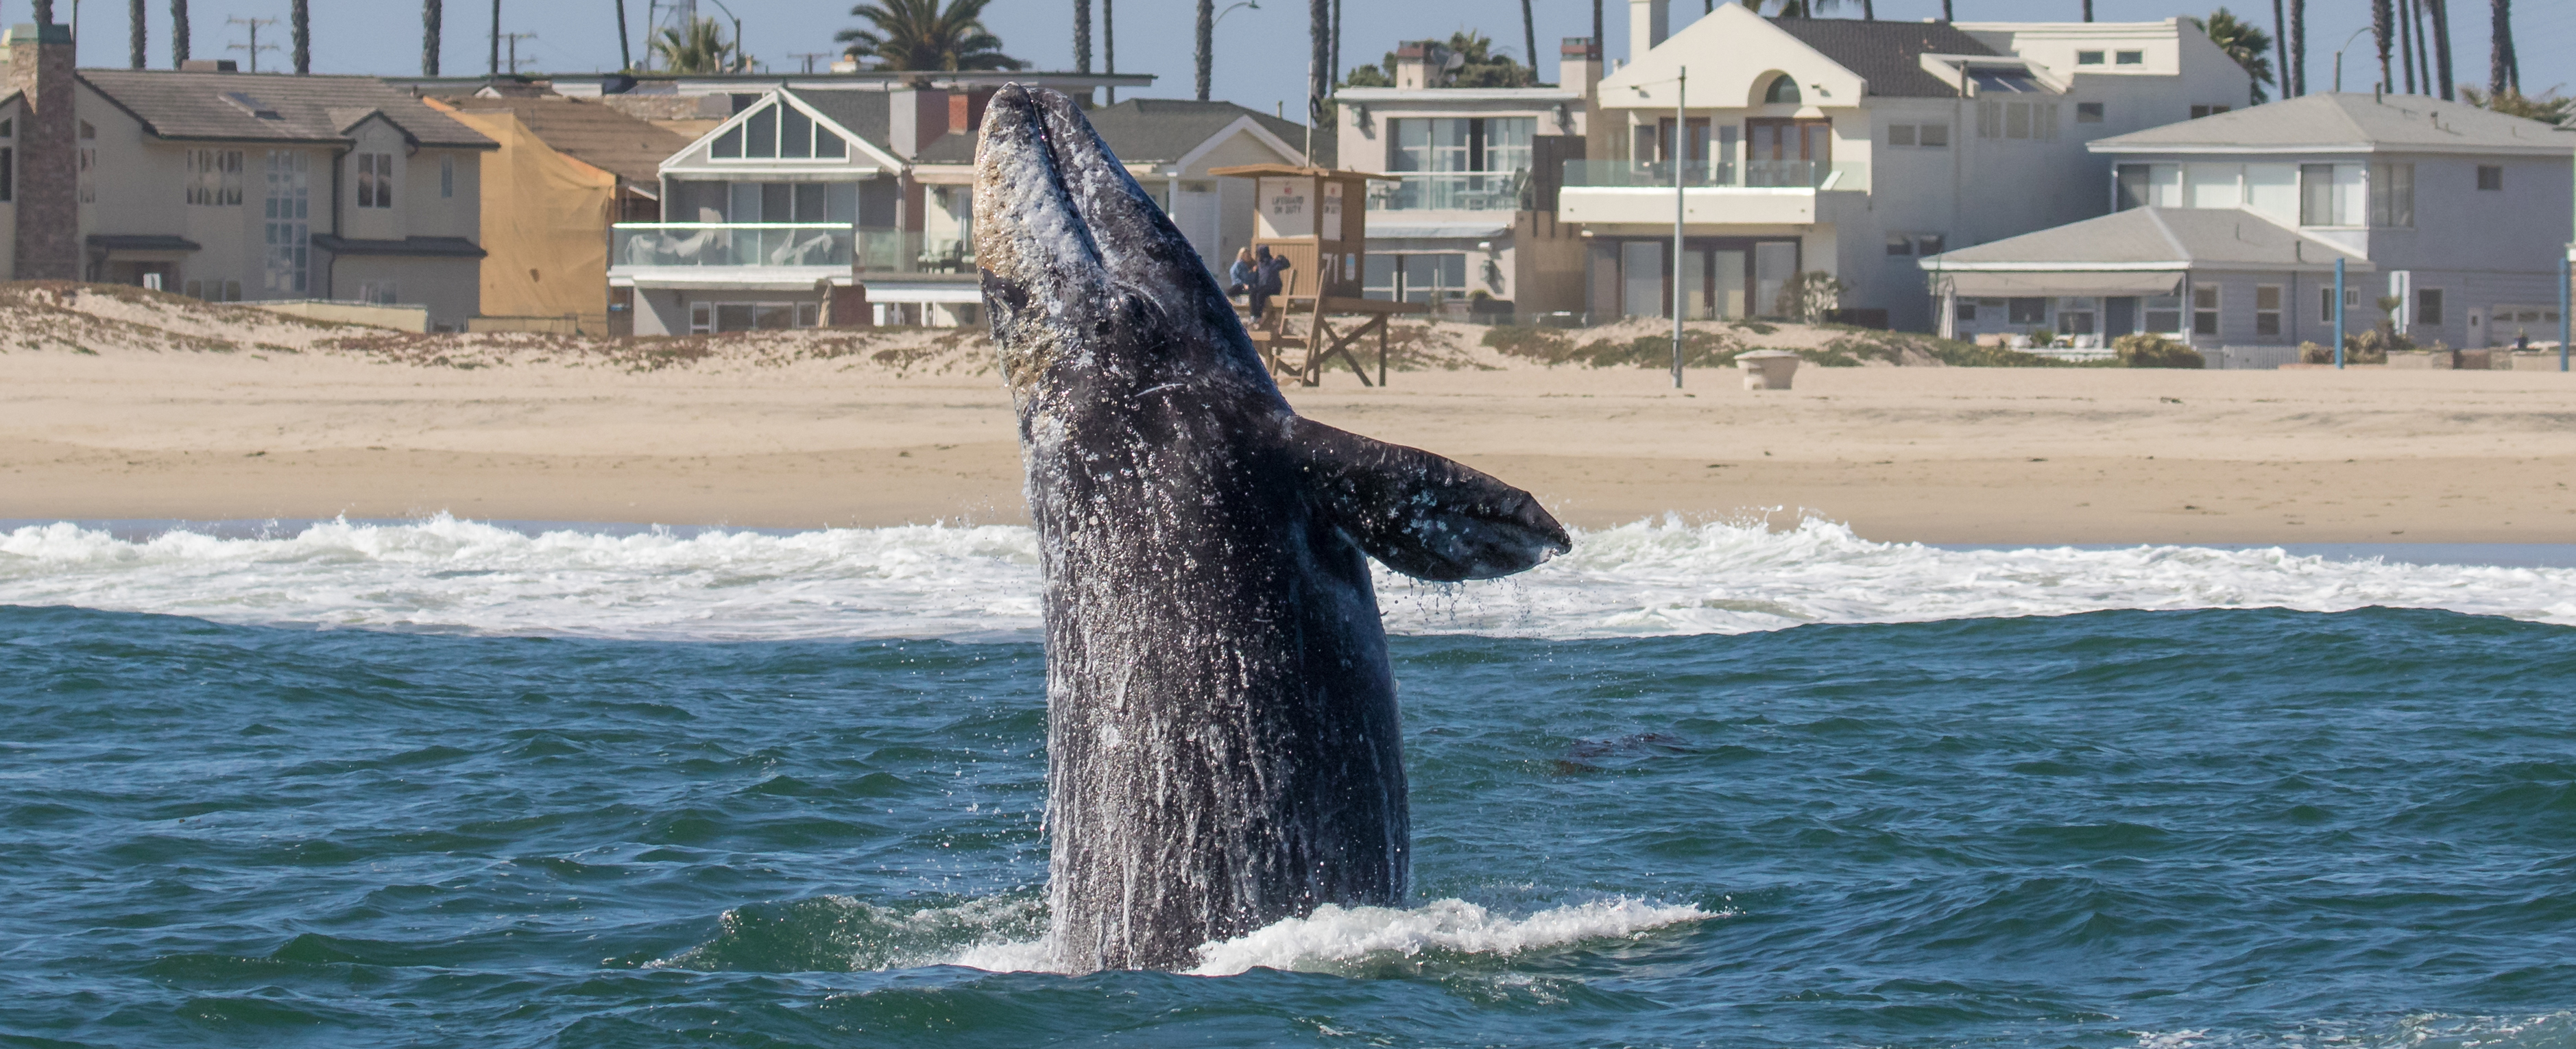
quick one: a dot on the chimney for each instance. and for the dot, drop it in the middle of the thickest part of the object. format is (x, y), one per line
(209, 65)
(1413, 64)
(1577, 66)
(966, 109)
(40, 64)
(1649, 22)
(916, 117)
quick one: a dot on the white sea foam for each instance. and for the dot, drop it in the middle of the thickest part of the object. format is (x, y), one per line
(1648, 578)
(1337, 938)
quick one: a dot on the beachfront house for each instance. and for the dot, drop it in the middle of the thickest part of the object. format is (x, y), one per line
(2226, 230)
(232, 186)
(1468, 222)
(1169, 145)
(565, 170)
(1854, 148)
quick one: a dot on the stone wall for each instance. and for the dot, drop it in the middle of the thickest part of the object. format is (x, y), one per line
(48, 234)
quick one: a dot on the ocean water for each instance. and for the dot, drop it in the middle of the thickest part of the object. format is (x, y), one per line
(446, 783)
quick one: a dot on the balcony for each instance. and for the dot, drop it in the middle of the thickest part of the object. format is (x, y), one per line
(1450, 191)
(777, 252)
(1762, 192)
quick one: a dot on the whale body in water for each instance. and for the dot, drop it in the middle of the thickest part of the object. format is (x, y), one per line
(1223, 744)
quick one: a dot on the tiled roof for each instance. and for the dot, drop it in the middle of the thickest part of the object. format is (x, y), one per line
(1152, 131)
(1887, 54)
(256, 107)
(2350, 121)
(2214, 238)
(587, 131)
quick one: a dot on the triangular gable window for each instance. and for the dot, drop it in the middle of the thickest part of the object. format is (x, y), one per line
(776, 132)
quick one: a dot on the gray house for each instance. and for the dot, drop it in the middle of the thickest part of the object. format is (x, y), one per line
(2459, 213)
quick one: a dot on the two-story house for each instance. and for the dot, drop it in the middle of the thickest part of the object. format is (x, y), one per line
(231, 186)
(1470, 212)
(1854, 148)
(2226, 231)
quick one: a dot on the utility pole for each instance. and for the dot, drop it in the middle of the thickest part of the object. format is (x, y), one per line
(625, 54)
(1681, 153)
(254, 47)
(514, 39)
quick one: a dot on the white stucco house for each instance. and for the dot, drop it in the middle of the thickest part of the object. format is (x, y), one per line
(2225, 231)
(1855, 148)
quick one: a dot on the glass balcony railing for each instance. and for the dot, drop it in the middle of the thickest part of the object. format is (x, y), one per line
(1754, 174)
(1450, 191)
(836, 245)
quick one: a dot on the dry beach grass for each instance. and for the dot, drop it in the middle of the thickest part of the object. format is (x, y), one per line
(129, 404)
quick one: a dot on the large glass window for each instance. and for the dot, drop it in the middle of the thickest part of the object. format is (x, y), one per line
(1427, 277)
(214, 177)
(2392, 195)
(2267, 310)
(287, 222)
(2334, 195)
(1461, 143)
(776, 130)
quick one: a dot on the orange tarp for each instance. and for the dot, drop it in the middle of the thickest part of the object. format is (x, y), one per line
(545, 226)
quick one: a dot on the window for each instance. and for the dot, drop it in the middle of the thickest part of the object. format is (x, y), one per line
(2004, 81)
(2204, 309)
(1964, 310)
(2026, 120)
(287, 227)
(2490, 176)
(2332, 195)
(88, 131)
(2428, 306)
(2325, 304)
(702, 318)
(2200, 111)
(2267, 309)
(1935, 136)
(1929, 243)
(381, 293)
(1494, 143)
(1925, 136)
(88, 164)
(1900, 134)
(8, 127)
(2088, 112)
(1434, 277)
(2026, 311)
(2164, 313)
(2130, 58)
(1900, 244)
(215, 177)
(447, 176)
(8, 173)
(375, 180)
(1783, 89)
(2088, 58)
(2078, 321)
(2392, 195)
(776, 130)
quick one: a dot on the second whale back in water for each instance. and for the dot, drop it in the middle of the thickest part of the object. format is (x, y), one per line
(1223, 745)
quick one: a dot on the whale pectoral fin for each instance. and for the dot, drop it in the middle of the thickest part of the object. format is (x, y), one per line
(1421, 514)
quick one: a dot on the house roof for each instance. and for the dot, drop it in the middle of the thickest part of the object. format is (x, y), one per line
(1151, 131)
(586, 130)
(1886, 54)
(2152, 239)
(253, 107)
(2350, 122)
(864, 113)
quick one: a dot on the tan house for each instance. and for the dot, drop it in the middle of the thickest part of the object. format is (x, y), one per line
(231, 186)
(567, 169)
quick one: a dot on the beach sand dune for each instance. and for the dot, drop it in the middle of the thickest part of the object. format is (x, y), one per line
(134, 405)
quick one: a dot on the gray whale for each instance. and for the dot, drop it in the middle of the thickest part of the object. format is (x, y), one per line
(1222, 738)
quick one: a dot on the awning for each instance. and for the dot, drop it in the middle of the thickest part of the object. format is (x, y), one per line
(911, 291)
(2028, 284)
(141, 242)
(437, 247)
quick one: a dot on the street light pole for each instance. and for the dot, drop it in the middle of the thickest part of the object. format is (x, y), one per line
(2347, 42)
(1681, 153)
(741, 62)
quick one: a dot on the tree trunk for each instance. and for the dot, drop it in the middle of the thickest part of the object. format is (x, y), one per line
(1529, 37)
(2423, 42)
(2504, 72)
(178, 33)
(2406, 44)
(1598, 50)
(1319, 54)
(1082, 36)
(2281, 49)
(2442, 45)
(1868, 10)
(496, 39)
(2382, 23)
(1945, 11)
(1109, 43)
(2299, 41)
(433, 15)
(1334, 74)
(2088, 10)
(1207, 41)
(299, 18)
(625, 51)
(134, 10)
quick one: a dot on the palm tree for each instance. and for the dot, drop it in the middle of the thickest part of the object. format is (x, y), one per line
(2244, 42)
(920, 34)
(1529, 38)
(178, 33)
(2550, 108)
(1319, 54)
(134, 10)
(432, 14)
(2281, 44)
(2381, 21)
(701, 48)
(2442, 43)
(2294, 80)
(2504, 71)
(44, 12)
(1207, 44)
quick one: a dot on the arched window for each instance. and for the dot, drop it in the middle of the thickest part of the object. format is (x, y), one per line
(1784, 88)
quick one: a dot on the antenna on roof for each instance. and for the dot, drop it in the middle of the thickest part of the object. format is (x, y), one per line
(254, 47)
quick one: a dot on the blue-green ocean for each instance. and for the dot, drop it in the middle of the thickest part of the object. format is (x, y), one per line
(450, 784)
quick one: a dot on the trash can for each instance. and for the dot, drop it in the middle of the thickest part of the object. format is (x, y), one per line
(1767, 369)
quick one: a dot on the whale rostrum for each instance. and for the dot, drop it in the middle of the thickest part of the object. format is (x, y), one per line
(1223, 745)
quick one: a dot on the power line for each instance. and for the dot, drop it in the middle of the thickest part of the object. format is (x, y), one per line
(254, 47)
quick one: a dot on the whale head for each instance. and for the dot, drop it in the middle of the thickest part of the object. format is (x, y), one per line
(1082, 269)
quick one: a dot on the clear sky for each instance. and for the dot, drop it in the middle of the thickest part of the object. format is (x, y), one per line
(1260, 52)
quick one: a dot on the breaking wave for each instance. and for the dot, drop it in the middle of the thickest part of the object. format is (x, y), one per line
(981, 583)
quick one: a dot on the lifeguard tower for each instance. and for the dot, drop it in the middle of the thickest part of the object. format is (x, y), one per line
(1317, 218)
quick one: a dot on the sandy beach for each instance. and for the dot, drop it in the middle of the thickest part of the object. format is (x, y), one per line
(136, 414)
